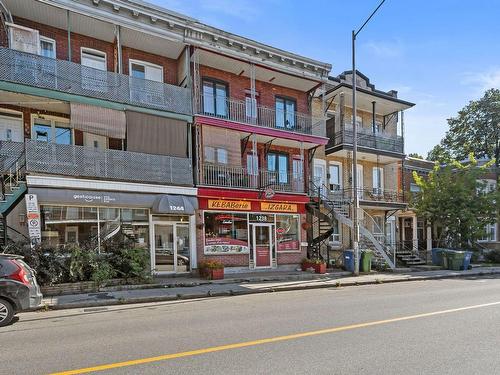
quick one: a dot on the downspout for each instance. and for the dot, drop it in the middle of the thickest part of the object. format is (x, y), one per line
(68, 24)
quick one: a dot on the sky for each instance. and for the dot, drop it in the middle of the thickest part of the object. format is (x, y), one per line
(438, 54)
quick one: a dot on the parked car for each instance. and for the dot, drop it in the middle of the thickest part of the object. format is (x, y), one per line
(19, 290)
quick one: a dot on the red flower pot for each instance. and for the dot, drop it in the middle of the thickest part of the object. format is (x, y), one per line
(320, 268)
(216, 274)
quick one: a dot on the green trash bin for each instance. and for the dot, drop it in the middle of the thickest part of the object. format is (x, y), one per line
(446, 256)
(456, 260)
(366, 261)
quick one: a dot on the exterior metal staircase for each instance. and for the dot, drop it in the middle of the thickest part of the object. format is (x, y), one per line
(333, 205)
(13, 184)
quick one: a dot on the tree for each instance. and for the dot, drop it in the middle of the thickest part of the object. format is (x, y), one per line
(415, 155)
(476, 129)
(454, 197)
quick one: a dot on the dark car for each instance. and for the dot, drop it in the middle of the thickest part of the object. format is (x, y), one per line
(19, 290)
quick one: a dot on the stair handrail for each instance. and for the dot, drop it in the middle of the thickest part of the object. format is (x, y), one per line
(13, 173)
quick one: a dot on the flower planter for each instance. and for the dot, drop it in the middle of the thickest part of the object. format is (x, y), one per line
(318, 267)
(212, 273)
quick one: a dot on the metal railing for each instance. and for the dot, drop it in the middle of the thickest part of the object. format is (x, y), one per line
(371, 194)
(240, 177)
(65, 76)
(81, 161)
(369, 140)
(240, 111)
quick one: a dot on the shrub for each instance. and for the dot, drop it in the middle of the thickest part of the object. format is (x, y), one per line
(131, 263)
(313, 261)
(492, 256)
(211, 265)
(102, 271)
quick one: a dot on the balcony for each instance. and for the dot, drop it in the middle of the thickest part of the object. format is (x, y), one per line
(88, 162)
(372, 195)
(393, 144)
(240, 111)
(68, 77)
(242, 178)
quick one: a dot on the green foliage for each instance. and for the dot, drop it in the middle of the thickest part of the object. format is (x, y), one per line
(454, 198)
(492, 256)
(415, 155)
(102, 271)
(211, 265)
(476, 129)
(131, 263)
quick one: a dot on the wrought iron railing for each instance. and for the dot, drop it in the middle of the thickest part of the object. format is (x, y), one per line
(65, 76)
(81, 161)
(369, 140)
(371, 194)
(241, 111)
(240, 177)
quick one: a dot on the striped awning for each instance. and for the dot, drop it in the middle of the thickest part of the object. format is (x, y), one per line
(98, 120)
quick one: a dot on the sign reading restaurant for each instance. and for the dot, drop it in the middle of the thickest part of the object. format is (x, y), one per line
(229, 205)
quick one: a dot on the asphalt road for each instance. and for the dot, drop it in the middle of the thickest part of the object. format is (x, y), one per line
(427, 327)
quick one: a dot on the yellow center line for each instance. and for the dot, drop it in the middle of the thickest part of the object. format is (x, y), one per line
(245, 344)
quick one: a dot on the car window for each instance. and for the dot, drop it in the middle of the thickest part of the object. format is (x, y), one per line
(6, 267)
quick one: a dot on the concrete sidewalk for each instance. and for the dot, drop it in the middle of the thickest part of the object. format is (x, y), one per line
(173, 290)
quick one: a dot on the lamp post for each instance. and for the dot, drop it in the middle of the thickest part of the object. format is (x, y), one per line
(355, 235)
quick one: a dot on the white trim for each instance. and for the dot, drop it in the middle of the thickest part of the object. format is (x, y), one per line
(269, 226)
(339, 164)
(75, 183)
(53, 126)
(94, 52)
(50, 40)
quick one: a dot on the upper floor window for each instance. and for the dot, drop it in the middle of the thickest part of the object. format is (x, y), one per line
(335, 177)
(216, 155)
(277, 164)
(47, 47)
(214, 98)
(94, 79)
(250, 107)
(378, 180)
(144, 70)
(53, 131)
(285, 113)
(93, 58)
(378, 127)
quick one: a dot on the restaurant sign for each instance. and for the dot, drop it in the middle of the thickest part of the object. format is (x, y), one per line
(220, 204)
(278, 207)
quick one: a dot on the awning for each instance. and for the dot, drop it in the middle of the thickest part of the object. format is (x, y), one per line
(175, 204)
(98, 120)
(160, 203)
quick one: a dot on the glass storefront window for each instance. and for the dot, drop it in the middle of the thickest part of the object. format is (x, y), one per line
(226, 233)
(287, 232)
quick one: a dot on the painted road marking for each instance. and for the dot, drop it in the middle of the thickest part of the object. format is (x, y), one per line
(295, 336)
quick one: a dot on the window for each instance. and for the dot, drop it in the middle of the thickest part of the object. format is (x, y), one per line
(414, 188)
(288, 232)
(47, 47)
(378, 127)
(216, 155)
(94, 76)
(252, 164)
(214, 98)
(285, 113)
(335, 237)
(335, 177)
(47, 130)
(144, 70)
(490, 233)
(277, 164)
(226, 233)
(251, 108)
(209, 154)
(222, 156)
(378, 180)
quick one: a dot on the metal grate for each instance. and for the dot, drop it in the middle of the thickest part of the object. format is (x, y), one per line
(80, 161)
(9, 153)
(66, 76)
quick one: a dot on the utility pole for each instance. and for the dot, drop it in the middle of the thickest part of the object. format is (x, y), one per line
(355, 195)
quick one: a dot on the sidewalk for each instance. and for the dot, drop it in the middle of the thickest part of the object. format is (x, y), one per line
(177, 288)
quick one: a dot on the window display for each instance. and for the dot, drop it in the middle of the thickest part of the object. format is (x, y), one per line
(287, 232)
(226, 233)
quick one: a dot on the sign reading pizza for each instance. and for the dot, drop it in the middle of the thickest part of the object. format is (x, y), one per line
(278, 207)
(221, 204)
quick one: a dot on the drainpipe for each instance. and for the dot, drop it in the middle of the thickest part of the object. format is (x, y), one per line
(68, 24)
(373, 117)
(119, 48)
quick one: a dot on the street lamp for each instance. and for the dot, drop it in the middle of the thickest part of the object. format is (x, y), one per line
(355, 235)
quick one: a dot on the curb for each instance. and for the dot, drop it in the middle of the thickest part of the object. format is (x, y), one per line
(228, 293)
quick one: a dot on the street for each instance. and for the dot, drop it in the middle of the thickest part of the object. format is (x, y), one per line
(427, 327)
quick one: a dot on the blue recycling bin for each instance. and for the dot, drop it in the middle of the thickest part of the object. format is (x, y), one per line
(437, 256)
(348, 256)
(467, 259)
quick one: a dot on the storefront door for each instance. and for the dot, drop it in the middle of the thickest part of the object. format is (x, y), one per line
(262, 245)
(171, 248)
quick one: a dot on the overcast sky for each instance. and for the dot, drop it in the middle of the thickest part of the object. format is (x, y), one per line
(438, 54)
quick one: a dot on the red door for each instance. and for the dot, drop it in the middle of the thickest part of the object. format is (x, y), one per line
(262, 245)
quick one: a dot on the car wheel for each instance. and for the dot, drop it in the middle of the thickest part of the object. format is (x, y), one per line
(6, 312)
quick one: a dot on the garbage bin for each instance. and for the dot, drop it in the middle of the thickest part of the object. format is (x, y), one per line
(366, 261)
(446, 258)
(467, 260)
(348, 257)
(456, 260)
(437, 256)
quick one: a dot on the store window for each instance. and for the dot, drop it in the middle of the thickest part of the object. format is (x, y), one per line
(226, 233)
(288, 232)
(92, 225)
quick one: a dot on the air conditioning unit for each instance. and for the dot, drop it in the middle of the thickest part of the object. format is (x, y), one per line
(23, 38)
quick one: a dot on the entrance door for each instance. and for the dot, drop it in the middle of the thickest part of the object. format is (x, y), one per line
(171, 247)
(262, 245)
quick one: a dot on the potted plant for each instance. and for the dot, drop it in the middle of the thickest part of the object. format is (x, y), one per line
(318, 265)
(211, 270)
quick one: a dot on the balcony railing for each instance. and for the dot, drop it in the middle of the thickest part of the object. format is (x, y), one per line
(65, 76)
(368, 139)
(241, 111)
(89, 162)
(371, 195)
(240, 177)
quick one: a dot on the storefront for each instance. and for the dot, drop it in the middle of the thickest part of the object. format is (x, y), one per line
(251, 232)
(163, 224)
